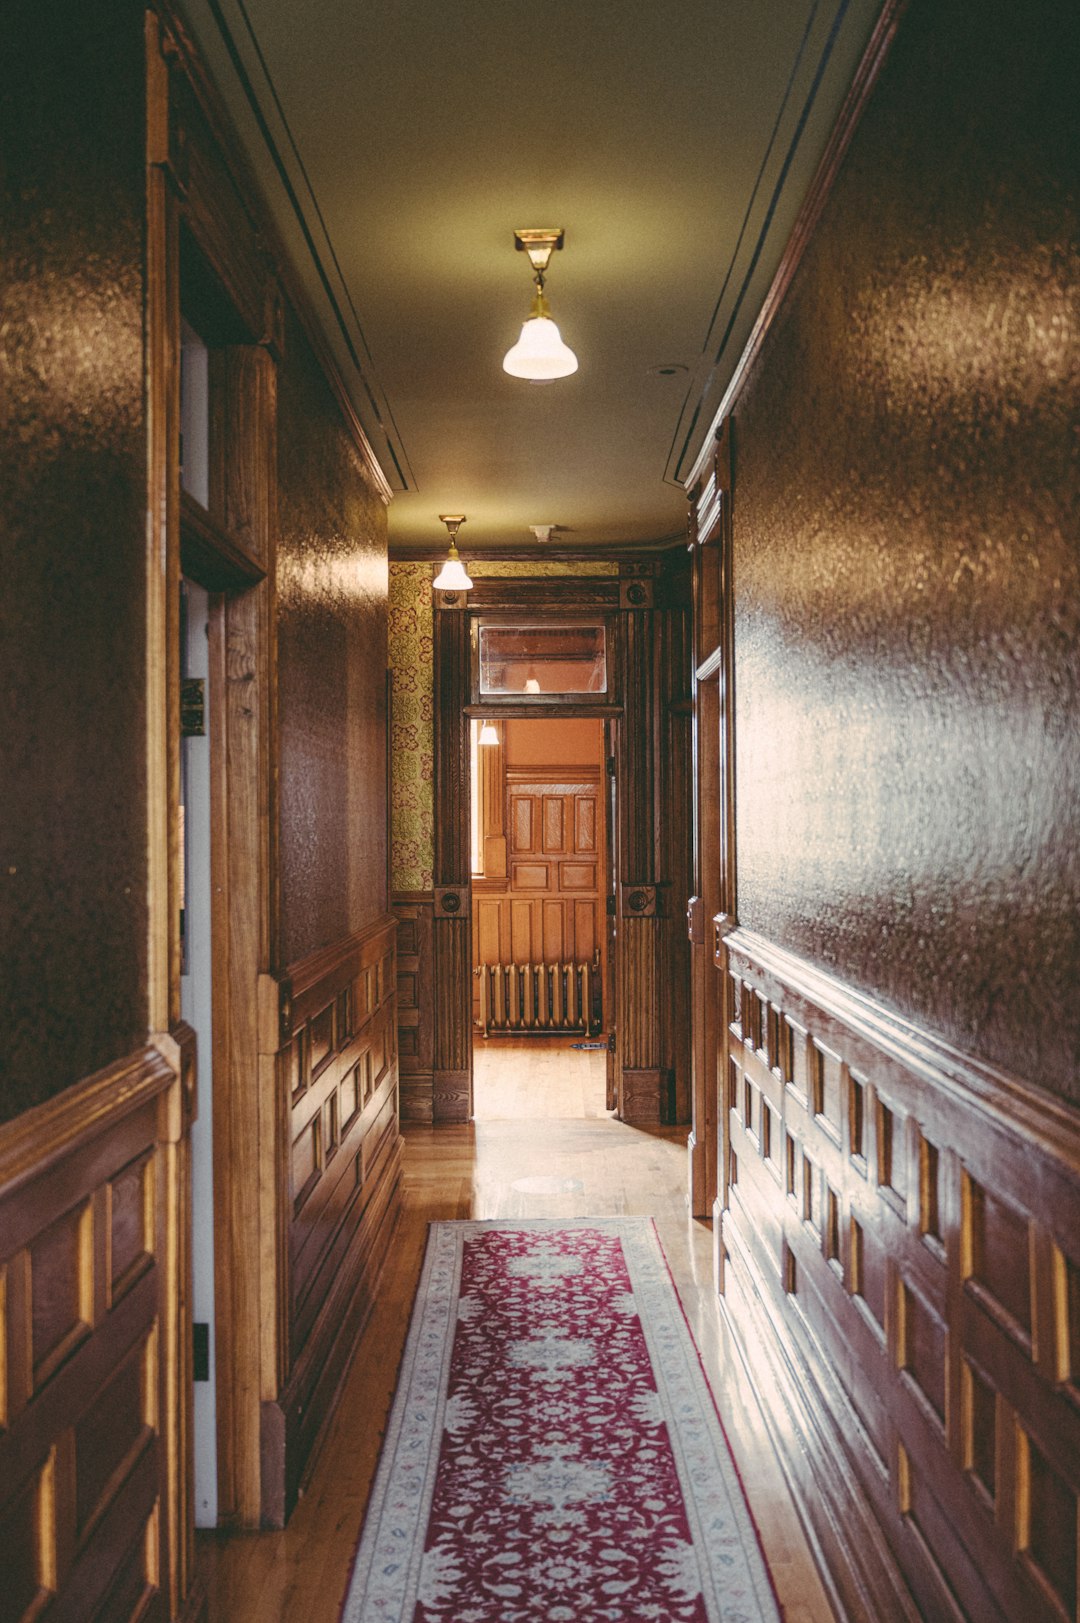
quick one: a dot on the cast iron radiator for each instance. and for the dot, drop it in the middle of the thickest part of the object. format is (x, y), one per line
(540, 999)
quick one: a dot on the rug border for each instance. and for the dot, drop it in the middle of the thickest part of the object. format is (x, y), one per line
(720, 1419)
(641, 1221)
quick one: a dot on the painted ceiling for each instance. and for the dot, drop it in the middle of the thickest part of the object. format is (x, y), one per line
(401, 142)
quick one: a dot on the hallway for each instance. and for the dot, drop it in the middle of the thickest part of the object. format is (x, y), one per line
(500, 1168)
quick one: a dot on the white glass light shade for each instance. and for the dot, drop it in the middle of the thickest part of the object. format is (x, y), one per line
(540, 352)
(452, 576)
(532, 685)
(488, 735)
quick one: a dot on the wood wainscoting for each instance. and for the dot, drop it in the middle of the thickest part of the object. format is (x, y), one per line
(900, 1256)
(415, 912)
(333, 1020)
(94, 1347)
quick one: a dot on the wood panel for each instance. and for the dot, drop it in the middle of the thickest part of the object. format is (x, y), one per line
(900, 1255)
(336, 1082)
(550, 908)
(415, 1003)
(452, 927)
(93, 1330)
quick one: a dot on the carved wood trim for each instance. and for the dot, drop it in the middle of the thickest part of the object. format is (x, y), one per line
(309, 983)
(31, 1142)
(330, 1067)
(94, 1317)
(903, 1228)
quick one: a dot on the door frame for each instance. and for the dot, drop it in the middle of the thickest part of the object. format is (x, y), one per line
(639, 605)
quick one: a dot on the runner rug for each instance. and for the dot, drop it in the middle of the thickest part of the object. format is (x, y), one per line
(553, 1452)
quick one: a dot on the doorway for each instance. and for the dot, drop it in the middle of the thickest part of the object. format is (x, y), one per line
(540, 995)
(196, 1008)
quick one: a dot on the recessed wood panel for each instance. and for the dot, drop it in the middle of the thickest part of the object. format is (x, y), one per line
(1052, 1528)
(61, 1284)
(554, 824)
(530, 875)
(131, 1216)
(1000, 1259)
(980, 1428)
(20, 1543)
(521, 823)
(106, 1435)
(922, 1352)
(585, 823)
(577, 875)
(321, 1038)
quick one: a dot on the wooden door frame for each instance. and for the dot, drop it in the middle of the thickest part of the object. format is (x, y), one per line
(633, 606)
(712, 913)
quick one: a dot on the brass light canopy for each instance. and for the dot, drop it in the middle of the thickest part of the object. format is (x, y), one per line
(452, 577)
(539, 354)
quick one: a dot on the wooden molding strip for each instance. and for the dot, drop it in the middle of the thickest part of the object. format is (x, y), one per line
(1006, 1100)
(866, 76)
(308, 984)
(210, 554)
(39, 1136)
(412, 898)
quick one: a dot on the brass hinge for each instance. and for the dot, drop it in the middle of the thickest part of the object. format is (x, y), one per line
(193, 707)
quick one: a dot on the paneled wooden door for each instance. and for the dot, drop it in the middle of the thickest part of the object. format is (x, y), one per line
(548, 905)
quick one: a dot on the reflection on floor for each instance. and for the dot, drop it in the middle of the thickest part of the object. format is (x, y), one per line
(498, 1168)
(528, 1077)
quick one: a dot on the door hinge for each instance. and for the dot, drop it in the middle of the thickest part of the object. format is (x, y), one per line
(611, 1040)
(610, 765)
(193, 707)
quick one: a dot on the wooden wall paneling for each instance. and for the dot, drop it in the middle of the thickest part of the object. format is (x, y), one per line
(452, 924)
(332, 1023)
(416, 1003)
(92, 1441)
(901, 1227)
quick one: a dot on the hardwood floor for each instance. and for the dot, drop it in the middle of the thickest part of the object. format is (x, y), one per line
(497, 1168)
(515, 1079)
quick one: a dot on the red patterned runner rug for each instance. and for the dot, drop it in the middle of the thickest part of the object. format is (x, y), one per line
(554, 1454)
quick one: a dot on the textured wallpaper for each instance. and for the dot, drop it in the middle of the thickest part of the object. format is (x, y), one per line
(332, 591)
(907, 562)
(412, 743)
(73, 919)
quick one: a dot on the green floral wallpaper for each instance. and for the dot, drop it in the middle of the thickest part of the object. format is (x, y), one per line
(412, 739)
(412, 815)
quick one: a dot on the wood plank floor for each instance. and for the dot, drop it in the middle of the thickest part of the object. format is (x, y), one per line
(497, 1167)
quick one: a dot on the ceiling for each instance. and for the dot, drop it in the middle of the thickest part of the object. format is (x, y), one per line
(400, 142)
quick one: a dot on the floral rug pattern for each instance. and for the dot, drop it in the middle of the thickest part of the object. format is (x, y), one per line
(553, 1452)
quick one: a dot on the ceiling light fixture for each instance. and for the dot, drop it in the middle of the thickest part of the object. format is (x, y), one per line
(488, 735)
(539, 353)
(452, 577)
(542, 532)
